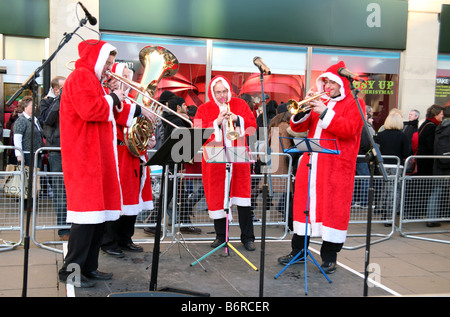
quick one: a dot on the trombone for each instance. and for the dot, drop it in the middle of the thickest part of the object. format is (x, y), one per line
(143, 91)
(295, 107)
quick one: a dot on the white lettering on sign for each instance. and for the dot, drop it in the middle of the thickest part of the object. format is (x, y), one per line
(374, 18)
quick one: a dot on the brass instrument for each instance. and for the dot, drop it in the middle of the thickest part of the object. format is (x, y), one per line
(231, 132)
(295, 107)
(158, 62)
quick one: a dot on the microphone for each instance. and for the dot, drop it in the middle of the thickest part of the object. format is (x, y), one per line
(92, 20)
(261, 66)
(349, 75)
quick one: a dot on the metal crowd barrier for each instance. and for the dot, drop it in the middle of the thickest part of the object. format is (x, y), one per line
(189, 186)
(424, 199)
(393, 196)
(11, 208)
(384, 207)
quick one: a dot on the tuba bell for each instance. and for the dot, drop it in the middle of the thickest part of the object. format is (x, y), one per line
(158, 62)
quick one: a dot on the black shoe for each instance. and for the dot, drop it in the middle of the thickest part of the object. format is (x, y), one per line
(433, 224)
(132, 247)
(249, 246)
(97, 275)
(190, 230)
(288, 258)
(82, 282)
(114, 252)
(216, 243)
(329, 267)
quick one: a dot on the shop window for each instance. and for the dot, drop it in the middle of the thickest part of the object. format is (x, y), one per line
(380, 91)
(287, 66)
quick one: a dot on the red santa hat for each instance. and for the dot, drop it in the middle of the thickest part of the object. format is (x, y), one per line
(214, 82)
(93, 55)
(332, 74)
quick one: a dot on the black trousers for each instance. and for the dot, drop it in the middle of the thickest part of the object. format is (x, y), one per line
(245, 224)
(84, 246)
(118, 232)
(328, 250)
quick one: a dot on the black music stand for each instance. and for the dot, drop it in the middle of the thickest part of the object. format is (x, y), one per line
(227, 155)
(191, 140)
(309, 146)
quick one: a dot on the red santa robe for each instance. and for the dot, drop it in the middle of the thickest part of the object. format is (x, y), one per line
(214, 174)
(136, 188)
(332, 176)
(88, 140)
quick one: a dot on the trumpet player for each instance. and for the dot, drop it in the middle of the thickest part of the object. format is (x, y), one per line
(232, 121)
(332, 176)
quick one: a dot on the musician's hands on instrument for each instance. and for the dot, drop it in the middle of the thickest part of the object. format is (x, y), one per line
(316, 104)
(120, 94)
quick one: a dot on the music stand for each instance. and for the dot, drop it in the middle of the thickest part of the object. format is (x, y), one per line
(195, 137)
(227, 155)
(305, 145)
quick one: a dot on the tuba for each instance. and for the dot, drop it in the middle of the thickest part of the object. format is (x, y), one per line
(158, 62)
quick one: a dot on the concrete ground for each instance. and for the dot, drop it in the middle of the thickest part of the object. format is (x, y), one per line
(400, 266)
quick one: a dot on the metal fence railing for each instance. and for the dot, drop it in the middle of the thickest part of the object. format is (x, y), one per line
(416, 199)
(425, 200)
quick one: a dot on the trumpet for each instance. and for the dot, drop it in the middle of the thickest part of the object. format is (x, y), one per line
(231, 132)
(295, 107)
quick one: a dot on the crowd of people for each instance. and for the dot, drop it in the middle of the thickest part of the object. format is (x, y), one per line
(106, 186)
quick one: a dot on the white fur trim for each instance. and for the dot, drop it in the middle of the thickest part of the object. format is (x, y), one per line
(303, 119)
(110, 102)
(325, 122)
(102, 58)
(92, 217)
(225, 83)
(217, 131)
(335, 78)
(241, 201)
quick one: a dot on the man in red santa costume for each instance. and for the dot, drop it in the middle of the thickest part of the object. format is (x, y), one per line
(89, 160)
(332, 176)
(135, 179)
(215, 114)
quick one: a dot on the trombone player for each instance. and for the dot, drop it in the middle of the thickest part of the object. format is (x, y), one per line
(135, 179)
(89, 160)
(232, 121)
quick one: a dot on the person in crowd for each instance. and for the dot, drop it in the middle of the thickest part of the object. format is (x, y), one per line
(89, 160)
(392, 142)
(412, 125)
(224, 113)
(10, 125)
(362, 167)
(50, 120)
(56, 86)
(332, 176)
(426, 133)
(178, 105)
(22, 132)
(135, 178)
(441, 166)
(22, 136)
(159, 130)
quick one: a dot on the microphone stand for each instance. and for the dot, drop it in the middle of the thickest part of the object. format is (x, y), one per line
(267, 189)
(30, 83)
(374, 159)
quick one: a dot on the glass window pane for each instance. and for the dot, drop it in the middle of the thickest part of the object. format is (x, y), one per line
(188, 82)
(287, 65)
(22, 48)
(380, 91)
